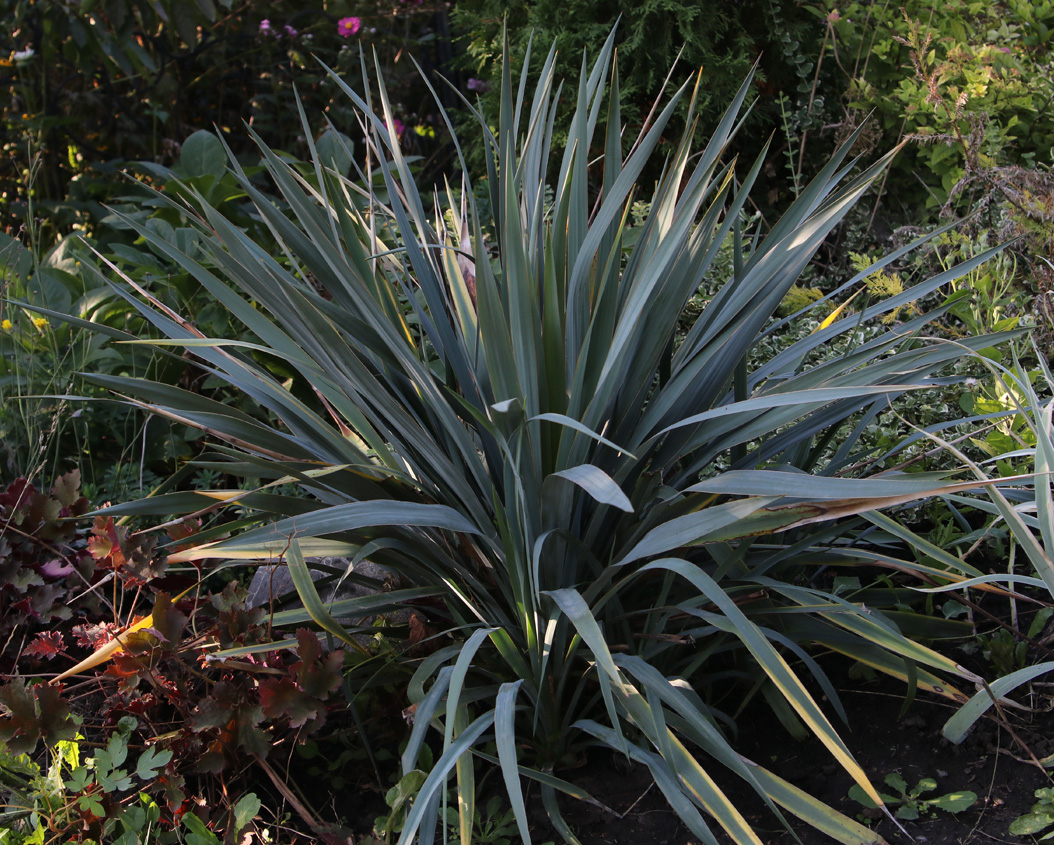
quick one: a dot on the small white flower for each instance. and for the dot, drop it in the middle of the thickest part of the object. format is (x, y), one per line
(22, 55)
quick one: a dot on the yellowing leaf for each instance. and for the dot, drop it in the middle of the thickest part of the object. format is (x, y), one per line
(834, 315)
(105, 652)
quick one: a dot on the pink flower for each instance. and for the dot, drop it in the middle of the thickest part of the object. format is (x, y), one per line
(399, 127)
(265, 26)
(347, 27)
(290, 31)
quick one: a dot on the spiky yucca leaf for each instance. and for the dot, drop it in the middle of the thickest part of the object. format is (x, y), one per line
(1025, 505)
(498, 406)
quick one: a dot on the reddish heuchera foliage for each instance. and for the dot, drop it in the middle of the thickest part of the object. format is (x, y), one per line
(47, 645)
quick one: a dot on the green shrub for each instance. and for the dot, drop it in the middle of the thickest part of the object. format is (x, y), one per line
(45, 297)
(93, 86)
(798, 299)
(102, 82)
(967, 84)
(511, 422)
(43, 432)
(968, 81)
(723, 40)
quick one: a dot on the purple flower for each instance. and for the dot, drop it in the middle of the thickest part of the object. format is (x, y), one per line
(290, 31)
(347, 27)
(400, 128)
(478, 85)
(265, 27)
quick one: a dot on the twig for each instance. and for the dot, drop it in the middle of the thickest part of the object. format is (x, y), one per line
(629, 809)
(290, 796)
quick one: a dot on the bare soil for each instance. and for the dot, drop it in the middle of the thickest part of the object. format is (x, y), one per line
(988, 763)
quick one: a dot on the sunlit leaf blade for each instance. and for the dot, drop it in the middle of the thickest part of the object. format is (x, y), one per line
(337, 519)
(105, 652)
(305, 587)
(775, 667)
(956, 728)
(839, 827)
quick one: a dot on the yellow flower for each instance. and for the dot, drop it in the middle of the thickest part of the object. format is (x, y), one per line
(6, 325)
(40, 322)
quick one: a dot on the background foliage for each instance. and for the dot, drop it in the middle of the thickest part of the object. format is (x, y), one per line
(724, 40)
(91, 85)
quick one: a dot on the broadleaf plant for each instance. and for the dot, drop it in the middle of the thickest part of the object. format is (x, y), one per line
(493, 400)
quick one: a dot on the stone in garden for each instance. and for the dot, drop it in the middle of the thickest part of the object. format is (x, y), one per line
(272, 581)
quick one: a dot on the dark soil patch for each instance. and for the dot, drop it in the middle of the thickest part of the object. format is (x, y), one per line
(987, 763)
(640, 812)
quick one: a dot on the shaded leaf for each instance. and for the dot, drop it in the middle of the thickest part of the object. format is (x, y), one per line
(202, 153)
(150, 761)
(281, 697)
(33, 714)
(597, 484)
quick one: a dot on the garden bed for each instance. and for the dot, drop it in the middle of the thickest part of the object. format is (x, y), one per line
(986, 763)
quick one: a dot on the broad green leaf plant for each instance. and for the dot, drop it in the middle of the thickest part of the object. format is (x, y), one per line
(490, 397)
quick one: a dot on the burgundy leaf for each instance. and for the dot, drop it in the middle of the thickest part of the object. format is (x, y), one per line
(318, 676)
(280, 697)
(47, 646)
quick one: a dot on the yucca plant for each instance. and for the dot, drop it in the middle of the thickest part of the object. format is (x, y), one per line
(1023, 506)
(498, 407)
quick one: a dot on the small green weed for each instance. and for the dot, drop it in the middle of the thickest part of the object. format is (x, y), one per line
(1038, 819)
(491, 826)
(910, 803)
(494, 827)
(398, 799)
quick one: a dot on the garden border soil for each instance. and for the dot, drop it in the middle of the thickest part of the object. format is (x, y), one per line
(987, 763)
